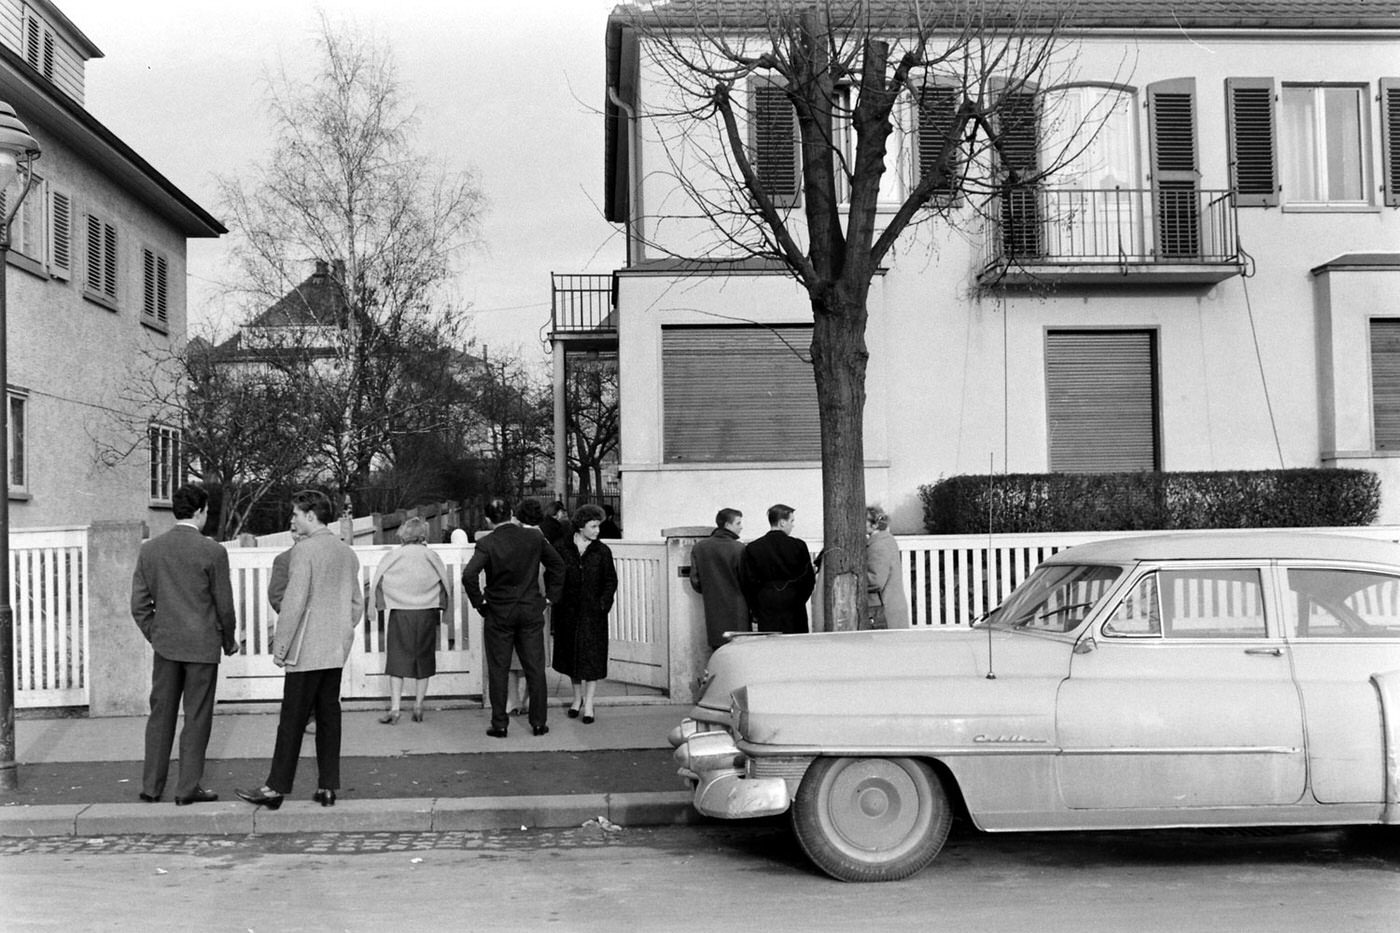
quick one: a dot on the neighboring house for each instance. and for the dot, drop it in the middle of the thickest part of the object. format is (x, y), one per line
(1216, 287)
(96, 281)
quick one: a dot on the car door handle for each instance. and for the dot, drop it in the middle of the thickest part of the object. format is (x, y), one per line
(1270, 652)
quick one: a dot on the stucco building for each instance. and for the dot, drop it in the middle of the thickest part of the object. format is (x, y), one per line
(96, 282)
(1211, 283)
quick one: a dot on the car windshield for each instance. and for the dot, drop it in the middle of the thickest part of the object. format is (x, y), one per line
(1055, 598)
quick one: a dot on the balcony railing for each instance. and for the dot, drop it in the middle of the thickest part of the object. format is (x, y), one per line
(1166, 233)
(582, 304)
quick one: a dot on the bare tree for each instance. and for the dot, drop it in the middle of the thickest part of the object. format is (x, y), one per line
(958, 80)
(344, 184)
(512, 409)
(591, 419)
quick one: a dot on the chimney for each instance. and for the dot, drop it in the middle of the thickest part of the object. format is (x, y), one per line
(320, 269)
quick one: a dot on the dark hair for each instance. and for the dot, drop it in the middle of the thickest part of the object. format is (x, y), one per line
(779, 512)
(315, 502)
(530, 512)
(725, 516)
(587, 513)
(555, 507)
(187, 500)
(498, 511)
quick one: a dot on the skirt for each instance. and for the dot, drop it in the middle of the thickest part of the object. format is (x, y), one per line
(412, 642)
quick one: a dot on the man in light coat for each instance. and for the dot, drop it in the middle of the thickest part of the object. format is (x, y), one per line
(182, 600)
(315, 630)
(714, 574)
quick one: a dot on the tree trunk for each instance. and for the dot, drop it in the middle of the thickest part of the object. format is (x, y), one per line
(838, 362)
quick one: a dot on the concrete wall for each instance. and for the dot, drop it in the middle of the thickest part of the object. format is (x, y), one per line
(119, 658)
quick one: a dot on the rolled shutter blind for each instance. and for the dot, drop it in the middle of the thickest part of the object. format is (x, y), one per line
(738, 394)
(1385, 382)
(1101, 396)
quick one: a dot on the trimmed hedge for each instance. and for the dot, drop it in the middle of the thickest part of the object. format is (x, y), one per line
(1045, 502)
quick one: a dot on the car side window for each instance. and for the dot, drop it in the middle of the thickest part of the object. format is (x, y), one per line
(1211, 603)
(1332, 603)
(1139, 614)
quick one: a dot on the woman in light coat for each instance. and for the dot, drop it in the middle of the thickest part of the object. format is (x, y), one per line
(412, 584)
(884, 583)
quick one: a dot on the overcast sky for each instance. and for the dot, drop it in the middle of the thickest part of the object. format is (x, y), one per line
(510, 90)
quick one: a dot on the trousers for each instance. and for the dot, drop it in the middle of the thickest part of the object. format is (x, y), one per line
(523, 631)
(304, 694)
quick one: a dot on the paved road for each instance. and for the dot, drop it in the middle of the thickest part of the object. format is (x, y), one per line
(750, 875)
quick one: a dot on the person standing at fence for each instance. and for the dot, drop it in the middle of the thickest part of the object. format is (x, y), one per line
(714, 574)
(512, 605)
(777, 576)
(412, 584)
(182, 601)
(315, 630)
(581, 615)
(886, 606)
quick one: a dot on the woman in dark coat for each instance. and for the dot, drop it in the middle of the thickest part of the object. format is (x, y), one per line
(580, 618)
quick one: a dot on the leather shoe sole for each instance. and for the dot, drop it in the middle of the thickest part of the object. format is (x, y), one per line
(200, 795)
(258, 799)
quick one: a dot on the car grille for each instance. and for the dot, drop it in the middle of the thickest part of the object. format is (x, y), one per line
(787, 768)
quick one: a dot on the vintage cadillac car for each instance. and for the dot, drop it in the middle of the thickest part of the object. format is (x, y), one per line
(1178, 680)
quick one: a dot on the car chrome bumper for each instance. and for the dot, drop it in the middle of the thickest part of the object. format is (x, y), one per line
(713, 764)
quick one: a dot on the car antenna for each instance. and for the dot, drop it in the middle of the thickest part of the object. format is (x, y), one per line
(991, 471)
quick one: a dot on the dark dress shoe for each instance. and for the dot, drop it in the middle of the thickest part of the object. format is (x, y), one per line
(540, 730)
(200, 795)
(258, 799)
(325, 798)
(496, 733)
(573, 712)
(147, 798)
(588, 720)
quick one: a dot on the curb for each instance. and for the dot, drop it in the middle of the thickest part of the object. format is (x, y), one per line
(411, 814)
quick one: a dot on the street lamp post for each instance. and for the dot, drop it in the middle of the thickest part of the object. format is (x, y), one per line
(18, 150)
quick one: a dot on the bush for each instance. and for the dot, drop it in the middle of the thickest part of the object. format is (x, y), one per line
(1047, 502)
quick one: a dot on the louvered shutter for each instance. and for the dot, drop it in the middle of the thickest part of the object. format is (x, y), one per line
(1253, 141)
(937, 113)
(1101, 401)
(60, 234)
(1171, 110)
(33, 34)
(1390, 138)
(1018, 130)
(738, 394)
(773, 132)
(1385, 382)
(155, 287)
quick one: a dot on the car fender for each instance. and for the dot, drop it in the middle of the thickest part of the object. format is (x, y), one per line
(1388, 686)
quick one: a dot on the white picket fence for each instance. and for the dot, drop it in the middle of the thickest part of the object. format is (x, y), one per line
(950, 580)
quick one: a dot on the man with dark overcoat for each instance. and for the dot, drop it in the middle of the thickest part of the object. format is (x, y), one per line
(182, 600)
(777, 576)
(714, 574)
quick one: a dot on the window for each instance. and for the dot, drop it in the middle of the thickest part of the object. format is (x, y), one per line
(155, 276)
(1101, 400)
(738, 394)
(166, 469)
(17, 430)
(1325, 146)
(27, 234)
(773, 141)
(1335, 603)
(1385, 383)
(1089, 138)
(101, 259)
(1204, 603)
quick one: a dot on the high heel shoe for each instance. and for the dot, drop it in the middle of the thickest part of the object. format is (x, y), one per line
(263, 797)
(418, 715)
(573, 712)
(588, 719)
(325, 798)
(389, 719)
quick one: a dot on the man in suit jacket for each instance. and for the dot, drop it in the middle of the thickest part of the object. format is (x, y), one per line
(714, 574)
(182, 600)
(512, 607)
(777, 576)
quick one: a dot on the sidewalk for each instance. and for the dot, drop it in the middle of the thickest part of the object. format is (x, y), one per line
(81, 776)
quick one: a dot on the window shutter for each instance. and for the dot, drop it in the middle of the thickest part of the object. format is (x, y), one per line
(31, 45)
(60, 234)
(1018, 129)
(937, 114)
(48, 54)
(1390, 138)
(738, 394)
(109, 260)
(1253, 141)
(1171, 112)
(1385, 382)
(155, 285)
(1101, 400)
(773, 130)
(94, 255)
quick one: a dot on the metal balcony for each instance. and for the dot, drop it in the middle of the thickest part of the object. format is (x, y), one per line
(1166, 235)
(583, 306)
